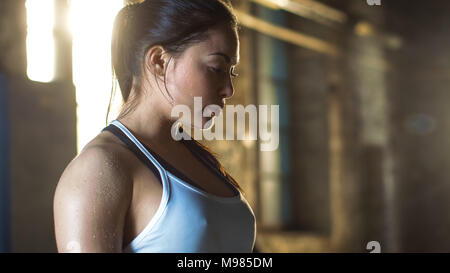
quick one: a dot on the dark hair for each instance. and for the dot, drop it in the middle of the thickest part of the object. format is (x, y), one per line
(173, 24)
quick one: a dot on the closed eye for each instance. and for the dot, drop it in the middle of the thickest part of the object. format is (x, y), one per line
(220, 71)
(217, 70)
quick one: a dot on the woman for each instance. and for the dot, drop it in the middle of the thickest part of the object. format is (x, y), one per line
(134, 188)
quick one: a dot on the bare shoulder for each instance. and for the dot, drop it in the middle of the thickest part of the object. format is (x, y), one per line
(101, 161)
(92, 197)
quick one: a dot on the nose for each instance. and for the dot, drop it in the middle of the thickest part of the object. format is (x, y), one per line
(228, 90)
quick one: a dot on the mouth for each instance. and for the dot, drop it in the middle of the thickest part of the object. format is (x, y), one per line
(221, 105)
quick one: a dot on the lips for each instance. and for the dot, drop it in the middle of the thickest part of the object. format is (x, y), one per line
(221, 105)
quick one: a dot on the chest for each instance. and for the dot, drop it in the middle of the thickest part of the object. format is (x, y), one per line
(147, 191)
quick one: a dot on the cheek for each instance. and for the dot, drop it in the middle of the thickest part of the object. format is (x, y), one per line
(194, 80)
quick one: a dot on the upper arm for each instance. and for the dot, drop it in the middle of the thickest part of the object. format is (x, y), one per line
(91, 202)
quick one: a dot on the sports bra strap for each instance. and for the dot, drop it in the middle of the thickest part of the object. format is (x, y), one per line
(132, 146)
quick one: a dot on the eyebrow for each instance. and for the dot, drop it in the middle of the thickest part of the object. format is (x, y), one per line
(227, 58)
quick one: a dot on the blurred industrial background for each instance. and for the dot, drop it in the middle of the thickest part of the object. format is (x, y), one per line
(364, 118)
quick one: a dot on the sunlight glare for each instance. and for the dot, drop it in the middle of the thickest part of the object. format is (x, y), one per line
(40, 40)
(91, 25)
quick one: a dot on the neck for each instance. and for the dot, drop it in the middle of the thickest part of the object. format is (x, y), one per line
(151, 126)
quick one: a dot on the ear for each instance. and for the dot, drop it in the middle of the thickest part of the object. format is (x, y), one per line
(156, 60)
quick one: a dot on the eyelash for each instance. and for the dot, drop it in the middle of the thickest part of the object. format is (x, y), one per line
(218, 70)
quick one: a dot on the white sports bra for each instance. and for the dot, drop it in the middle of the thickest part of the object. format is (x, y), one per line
(188, 218)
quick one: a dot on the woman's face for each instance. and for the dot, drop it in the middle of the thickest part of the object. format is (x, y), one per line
(204, 70)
